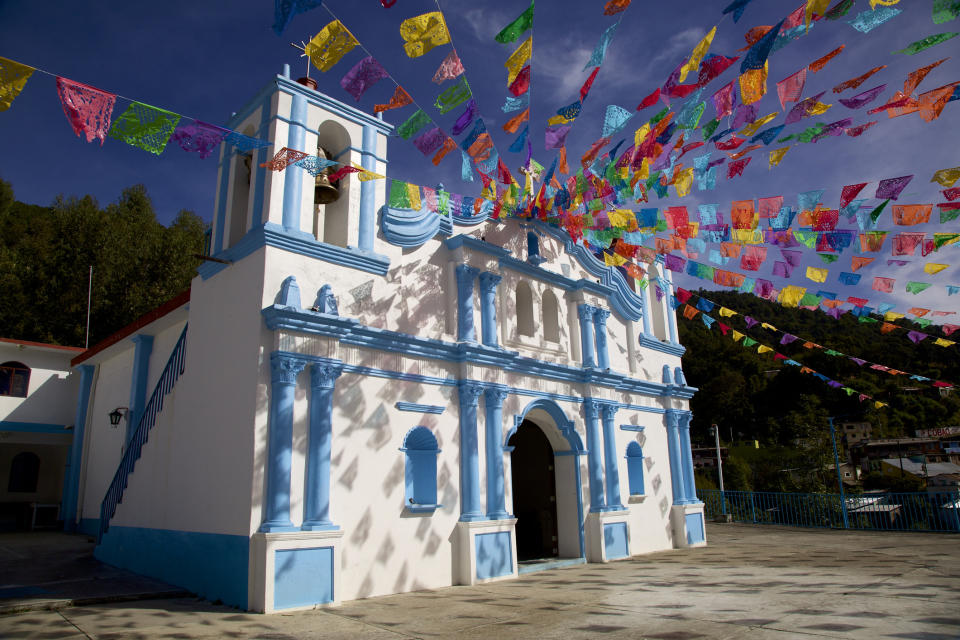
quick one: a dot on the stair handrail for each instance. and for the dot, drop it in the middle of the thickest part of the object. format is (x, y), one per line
(171, 373)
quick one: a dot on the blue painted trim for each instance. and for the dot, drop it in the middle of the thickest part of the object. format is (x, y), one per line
(649, 342)
(273, 235)
(368, 203)
(71, 476)
(695, 529)
(488, 308)
(468, 393)
(39, 427)
(672, 418)
(615, 540)
(560, 419)
(212, 565)
(587, 354)
(410, 228)
(494, 395)
(473, 220)
(138, 381)
(350, 331)
(314, 98)
(284, 370)
(494, 554)
(260, 177)
(221, 212)
(462, 240)
(611, 469)
(303, 577)
(594, 463)
(631, 427)
(422, 508)
(316, 503)
(293, 180)
(419, 408)
(466, 329)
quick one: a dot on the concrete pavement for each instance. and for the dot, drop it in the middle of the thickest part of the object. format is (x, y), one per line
(751, 582)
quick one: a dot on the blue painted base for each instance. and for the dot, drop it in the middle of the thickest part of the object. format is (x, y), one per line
(615, 540)
(473, 517)
(695, 531)
(319, 526)
(89, 526)
(212, 565)
(276, 527)
(302, 577)
(494, 555)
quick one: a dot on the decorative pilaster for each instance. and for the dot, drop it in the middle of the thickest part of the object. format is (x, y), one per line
(469, 393)
(284, 370)
(465, 328)
(368, 161)
(585, 313)
(316, 507)
(647, 309)
(493, 401)
(488, 307)
(138, 381)
(677, 481)
(71, 481)
(671, 312)
(600, 329)
(607, 412)
(293, 180)
(686, 458)
(594, 468)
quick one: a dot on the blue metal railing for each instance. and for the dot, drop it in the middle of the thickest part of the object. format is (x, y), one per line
(874, 512)
(171, 373)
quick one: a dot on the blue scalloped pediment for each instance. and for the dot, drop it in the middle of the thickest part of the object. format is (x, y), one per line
(411, 227)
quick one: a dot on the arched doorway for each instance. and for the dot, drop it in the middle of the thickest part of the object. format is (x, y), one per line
(534, 493)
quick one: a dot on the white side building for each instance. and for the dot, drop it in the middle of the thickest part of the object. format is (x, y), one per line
(356, 400)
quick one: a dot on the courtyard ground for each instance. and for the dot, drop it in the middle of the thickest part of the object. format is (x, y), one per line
(751, 582)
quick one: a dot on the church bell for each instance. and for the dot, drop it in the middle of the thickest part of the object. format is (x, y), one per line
(325, 191)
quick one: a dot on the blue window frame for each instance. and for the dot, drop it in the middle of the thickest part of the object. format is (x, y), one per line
(635, 469)
(420, 470)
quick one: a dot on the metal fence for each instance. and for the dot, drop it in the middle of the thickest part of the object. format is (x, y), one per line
(875, 512)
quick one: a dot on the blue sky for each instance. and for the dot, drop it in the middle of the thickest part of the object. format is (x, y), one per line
(204, 60)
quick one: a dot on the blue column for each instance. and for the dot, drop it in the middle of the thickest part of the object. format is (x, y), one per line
(647, 309)
(686, 459)
(276, 501)
(585, 313)
(671, 317)
(493, 445)
(608, 411)
(71, 478)
(316, 504)
(594, 466)
(673, 446)
(488, 308)
(469, 393)
(368, 160)
(465, 276)
(138, 381)
(293, 180)
(600, 328)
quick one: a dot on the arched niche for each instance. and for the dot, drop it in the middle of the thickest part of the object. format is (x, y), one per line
(332, 221)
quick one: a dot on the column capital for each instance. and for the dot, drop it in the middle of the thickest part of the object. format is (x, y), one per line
(600, 316)
(673, 418)
(585, 311)
(469, 392)
(466, 273)
(323, 374)
(591, 407)
(495, 396)
(609, 410)
(489, 280)
(285, 368)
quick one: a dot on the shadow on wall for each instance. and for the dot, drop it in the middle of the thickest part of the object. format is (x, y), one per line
(42, 401)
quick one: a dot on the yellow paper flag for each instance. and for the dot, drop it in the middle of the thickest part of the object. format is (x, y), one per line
(737, 336)
(726, 313)
(885, 3)
(614, 260)
(365, 174)
(696, 57)
(933, 267)
(817, 275)
(945, 177)
(777, 155)
(413, 193)
(767, 325)
(943, 343)
(13, 77)
(518, 59)
(752, 128)
(791, 295)
(422, 33)
(330, 45)
(890, 316)
(684, 181)
(815, 7)
(753, 84)
(763, 349)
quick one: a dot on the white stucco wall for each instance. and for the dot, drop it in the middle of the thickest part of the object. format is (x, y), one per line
(52, 391)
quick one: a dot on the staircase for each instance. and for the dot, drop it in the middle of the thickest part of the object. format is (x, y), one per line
(171, 373)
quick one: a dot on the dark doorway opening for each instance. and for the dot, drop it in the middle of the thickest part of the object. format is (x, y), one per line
(534, 493)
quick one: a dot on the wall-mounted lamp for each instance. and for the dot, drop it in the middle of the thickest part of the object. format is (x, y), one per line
(116, 414)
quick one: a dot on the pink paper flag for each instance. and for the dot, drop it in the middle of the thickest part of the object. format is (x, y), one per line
(791, 88)
(87, 108)
(450, 68)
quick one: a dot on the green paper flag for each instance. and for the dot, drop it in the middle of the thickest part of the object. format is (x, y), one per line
(917, 287)
(749, 342)
(839, 11)
(828, 257)
(926, 43)
(516, 28)
(868, 319)
(413, 124)
(710, 127)
(875, 214)
(946, 215)
(660, 116)
(923, 322)
(144, 126)
(399, 195)
(945, 10)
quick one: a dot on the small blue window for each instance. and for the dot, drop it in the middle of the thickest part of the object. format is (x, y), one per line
(635, 469)
(533, 249)
(420, 471)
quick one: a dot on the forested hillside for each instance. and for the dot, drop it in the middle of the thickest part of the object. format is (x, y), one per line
(754, 396)
(46, 253)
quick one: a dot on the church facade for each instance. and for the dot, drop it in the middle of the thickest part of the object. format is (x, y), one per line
(356, 400)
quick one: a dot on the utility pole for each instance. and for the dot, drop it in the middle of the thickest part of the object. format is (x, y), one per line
(836, 464)
(723, 496)
(86, 342)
